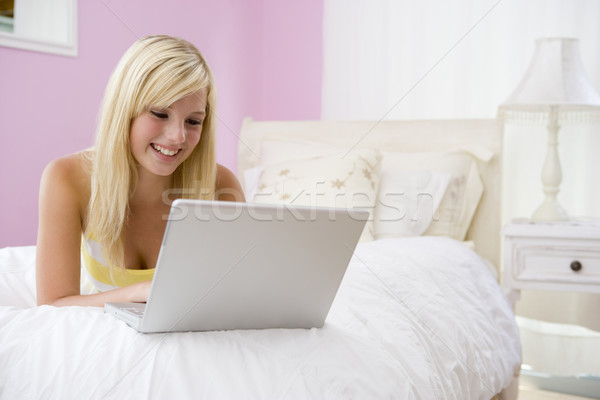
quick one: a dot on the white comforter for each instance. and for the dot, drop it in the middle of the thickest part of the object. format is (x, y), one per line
(418, 318)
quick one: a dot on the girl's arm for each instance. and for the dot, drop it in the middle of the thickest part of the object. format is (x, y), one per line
(137, 292)
(64, 192)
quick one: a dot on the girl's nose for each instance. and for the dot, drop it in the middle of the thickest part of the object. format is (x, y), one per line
(176, 133)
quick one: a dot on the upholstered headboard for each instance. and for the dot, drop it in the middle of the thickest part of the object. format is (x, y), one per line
(404, 136)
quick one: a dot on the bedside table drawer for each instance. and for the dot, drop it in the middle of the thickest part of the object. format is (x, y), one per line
(541, 256)
(559, 265)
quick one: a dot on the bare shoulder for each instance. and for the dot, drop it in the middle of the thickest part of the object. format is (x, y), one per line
(70, 175)
(227, 185)
(74, 169)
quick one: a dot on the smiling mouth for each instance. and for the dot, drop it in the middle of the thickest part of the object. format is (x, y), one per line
(164, 151)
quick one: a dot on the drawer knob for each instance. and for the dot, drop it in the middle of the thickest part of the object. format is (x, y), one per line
(576, 266)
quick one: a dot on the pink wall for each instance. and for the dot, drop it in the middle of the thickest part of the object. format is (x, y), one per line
(265, 54)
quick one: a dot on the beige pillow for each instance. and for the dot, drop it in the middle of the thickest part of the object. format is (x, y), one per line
(337, 180)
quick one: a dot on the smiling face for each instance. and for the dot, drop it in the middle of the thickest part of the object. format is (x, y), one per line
(162, 138)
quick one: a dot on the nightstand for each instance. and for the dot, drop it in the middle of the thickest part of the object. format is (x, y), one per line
(551, 256)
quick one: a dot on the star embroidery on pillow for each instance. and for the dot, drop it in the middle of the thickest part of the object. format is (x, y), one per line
(338, 184)
(284, 172)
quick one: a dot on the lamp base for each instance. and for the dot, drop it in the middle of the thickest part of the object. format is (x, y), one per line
(550, 210)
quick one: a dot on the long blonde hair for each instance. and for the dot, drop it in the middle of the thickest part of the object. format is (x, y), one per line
(154, 72)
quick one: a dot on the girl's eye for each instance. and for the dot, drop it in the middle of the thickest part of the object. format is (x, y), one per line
(194, 122)
(158, 114)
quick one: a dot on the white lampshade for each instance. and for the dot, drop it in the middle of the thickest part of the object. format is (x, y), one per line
(554, 77)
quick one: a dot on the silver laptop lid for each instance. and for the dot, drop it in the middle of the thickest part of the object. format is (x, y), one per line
(227, 265)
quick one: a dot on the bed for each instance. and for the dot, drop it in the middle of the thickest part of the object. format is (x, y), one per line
(419, 313)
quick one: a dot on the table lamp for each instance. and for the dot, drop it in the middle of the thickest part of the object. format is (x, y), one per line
(556, 90)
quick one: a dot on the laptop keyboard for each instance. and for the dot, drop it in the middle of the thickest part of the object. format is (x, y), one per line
(134, 310)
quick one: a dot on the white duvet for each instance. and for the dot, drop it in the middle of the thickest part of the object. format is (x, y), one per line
(418, 318)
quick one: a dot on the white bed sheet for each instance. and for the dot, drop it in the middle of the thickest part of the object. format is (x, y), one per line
(415, 318)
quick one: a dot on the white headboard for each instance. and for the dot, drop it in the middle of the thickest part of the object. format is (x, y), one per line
(405, 136)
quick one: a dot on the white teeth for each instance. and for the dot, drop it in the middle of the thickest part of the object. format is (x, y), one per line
(164, 151)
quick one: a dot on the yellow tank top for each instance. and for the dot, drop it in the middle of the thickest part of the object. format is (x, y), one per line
(96, 276)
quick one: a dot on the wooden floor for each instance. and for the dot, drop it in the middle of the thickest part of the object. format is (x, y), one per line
(529, 393)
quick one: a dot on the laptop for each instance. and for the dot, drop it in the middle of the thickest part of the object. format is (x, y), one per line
(229, 265)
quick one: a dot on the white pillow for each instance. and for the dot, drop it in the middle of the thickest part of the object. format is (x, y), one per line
(452, 213)
(408, 202)
(337, 180)
(461, 197)
(17, 276)
(459, 204)
(251, 177)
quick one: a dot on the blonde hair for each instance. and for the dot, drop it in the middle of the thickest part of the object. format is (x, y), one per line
(154, 72)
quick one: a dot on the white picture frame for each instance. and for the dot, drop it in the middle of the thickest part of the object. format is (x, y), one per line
(48, 26)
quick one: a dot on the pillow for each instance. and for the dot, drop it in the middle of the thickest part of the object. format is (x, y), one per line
(337, 180)
(460, 199)
(251, 177)
(277, 151)
(452, 213)
(408, 202)
(459, 204)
